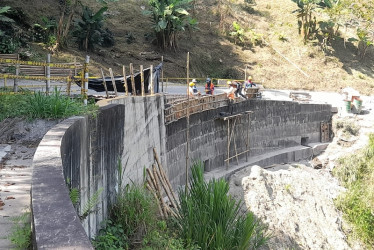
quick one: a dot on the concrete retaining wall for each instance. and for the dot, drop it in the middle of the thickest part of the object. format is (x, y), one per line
(274, 125)
(84, 153)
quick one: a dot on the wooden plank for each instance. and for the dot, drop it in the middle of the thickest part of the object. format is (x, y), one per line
(113, 82)
(142, 79)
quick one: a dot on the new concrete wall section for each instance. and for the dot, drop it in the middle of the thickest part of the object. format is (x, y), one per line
(274, 125)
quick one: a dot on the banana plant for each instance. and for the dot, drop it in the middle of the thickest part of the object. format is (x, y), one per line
(170, 17)
(88, 28)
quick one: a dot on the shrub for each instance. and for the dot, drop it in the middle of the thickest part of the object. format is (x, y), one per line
(110, 237)
(356, 172)
(212, 219)
(21, 231)
(136, 212)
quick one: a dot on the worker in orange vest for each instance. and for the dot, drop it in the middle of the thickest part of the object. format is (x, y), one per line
(209, 87)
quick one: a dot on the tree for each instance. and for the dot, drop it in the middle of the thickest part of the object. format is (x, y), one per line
(88, 30)
(170, 17)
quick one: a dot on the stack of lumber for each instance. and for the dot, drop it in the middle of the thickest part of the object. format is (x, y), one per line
(158, 184)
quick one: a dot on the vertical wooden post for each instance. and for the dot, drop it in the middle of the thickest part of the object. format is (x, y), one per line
(5, 82)
(162, 74)
(228, 144)
(85, 97)
(247, 144)
(15, 86)
(150, 81)
(75, 66)
(188, 123)
(104, 83)
(142, 79)
(245, 73)
(113, 82)
(125, 80)
(69, 84)
(132, 79)
(48, 86)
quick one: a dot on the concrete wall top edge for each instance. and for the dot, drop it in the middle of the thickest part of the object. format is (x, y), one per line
(55, 222)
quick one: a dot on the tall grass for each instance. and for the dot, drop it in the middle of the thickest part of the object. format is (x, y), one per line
(211, 219)
(39, 105)
(356, 172)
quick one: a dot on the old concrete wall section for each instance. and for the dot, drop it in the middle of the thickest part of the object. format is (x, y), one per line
(274, 125)
(84, 153)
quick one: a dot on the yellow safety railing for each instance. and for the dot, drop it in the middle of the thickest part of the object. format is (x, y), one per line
(180, 80)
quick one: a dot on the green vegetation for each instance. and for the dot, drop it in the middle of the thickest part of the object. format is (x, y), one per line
(349, 128)
(207, 219)
(39, 105)
(170, 17)
(135, 223)
(21, 231)
(211, 219)
(356, 172)
(89, 29)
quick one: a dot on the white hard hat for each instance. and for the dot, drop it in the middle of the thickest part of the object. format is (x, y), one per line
(194, 80)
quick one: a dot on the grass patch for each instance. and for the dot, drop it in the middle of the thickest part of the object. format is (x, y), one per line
(356, 172)
(211, 219)
(39, 105)
(20, 234)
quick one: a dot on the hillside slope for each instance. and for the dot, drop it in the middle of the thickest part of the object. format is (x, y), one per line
(281, 61)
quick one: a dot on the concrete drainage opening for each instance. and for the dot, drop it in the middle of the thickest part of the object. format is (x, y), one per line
(304, 141)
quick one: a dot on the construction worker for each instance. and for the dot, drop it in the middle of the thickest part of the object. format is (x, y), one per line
(192, 90)
(232, 90)
(209, 87)
(249, 83)
(239, 89)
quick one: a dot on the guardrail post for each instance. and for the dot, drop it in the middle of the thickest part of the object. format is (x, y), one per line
(85, 89)
(15, 86)
(48, 74)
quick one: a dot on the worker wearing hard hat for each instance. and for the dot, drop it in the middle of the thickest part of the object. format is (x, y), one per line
(209, 87)
(231, 91)
(192, 90)
(249, 83)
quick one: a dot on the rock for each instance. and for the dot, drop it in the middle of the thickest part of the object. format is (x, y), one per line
(316, 163)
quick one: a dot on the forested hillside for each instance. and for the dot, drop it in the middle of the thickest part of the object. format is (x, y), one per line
(299, 44)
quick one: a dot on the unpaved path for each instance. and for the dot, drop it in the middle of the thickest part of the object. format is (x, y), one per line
(18, 142)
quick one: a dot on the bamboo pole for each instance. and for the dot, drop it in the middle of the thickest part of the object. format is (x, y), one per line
(154, 194)
(113, 82)
(162, 74)
(142, 80)
(150, 81)
(245, 73)
(228, 144)
(48, 87)
(85, 97)
(163, 206)
(104, 83)
(188, 122)
(163, 173)
(15, 85)
(132, 79)
(68, 89)
(125, 80)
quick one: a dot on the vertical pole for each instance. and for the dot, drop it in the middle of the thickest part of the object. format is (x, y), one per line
(142, 79)
(75, 66)
(188, 123)
(125, 80)
(162, 74)
(245, 73)
(48, 74)
(247, 144)
(15, 86)
(4, 82)
(132, 79)
(85, 90)
(151, 79)
(228, 144)
(69, 84)
(113, 82)
(104, 83)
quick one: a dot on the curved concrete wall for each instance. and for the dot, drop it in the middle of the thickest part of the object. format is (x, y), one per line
(86, 152)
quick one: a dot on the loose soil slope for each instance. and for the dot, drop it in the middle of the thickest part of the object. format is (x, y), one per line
(214, 54)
